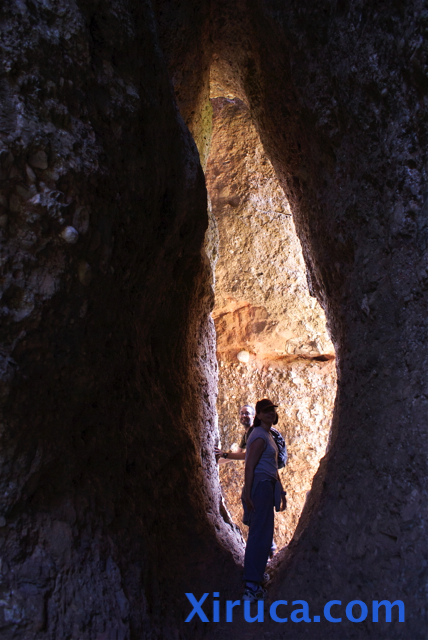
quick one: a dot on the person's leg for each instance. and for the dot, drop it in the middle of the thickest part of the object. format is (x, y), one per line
(260, 533)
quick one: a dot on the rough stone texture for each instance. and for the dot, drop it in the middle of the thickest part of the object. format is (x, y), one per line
(107, 358)
(262, 300)
(184, 32)
(263, 306)
(108, 422)
(339, 92)
(305, 392)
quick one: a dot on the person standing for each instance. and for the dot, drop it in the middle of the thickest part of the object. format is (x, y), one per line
(262, 491)
(246, 417)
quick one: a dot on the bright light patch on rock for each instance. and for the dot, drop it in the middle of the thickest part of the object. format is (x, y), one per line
(243, 356)
(70, 235)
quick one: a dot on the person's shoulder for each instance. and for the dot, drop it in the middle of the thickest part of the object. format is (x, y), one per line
(257, 432)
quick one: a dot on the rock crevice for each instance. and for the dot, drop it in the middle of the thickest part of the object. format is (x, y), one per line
(108, 374)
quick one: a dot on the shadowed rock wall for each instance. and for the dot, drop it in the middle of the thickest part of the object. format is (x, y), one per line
(107, 412)
(108, 420)
(339, 92)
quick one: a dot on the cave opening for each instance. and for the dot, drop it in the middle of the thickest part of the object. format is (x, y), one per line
(271, 333)
(110, 511)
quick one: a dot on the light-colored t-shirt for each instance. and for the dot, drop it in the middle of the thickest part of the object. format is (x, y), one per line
(268, 463)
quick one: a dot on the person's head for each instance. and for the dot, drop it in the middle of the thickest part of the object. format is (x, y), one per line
(246, 415)
(265, 412)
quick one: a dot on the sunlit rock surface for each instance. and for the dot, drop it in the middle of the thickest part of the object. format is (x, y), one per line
(262, 302)
(305, 392)
(264, 314)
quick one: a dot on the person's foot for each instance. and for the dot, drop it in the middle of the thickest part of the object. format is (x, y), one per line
(254, 595)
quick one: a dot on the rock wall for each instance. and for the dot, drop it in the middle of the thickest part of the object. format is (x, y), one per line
(108, 365)
(107, 356)
(339, 94)
(262, 302)
(305, 392)
(263, 307)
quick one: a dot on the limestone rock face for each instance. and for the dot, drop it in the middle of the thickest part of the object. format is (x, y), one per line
(305, 392)
(338, 93)
(107, 358)
(262, 300)
(341, 110)
(110, 507)
(264, 314)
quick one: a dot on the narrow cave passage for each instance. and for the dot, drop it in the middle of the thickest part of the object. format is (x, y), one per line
(110, 494)
(271, 334)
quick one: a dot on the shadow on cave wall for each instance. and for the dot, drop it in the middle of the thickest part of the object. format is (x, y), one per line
(111, 503)
(330, 99)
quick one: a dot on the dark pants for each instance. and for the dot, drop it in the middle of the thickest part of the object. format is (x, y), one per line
(260, 535)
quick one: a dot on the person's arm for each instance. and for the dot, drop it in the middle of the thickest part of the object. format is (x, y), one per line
(230, 455)
(254, 454)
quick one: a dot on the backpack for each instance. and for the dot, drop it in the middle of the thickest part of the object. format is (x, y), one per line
(282, 449)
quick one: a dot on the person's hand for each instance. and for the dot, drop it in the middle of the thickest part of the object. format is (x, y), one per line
(218, 454)
(283, 502)
(246, 497)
